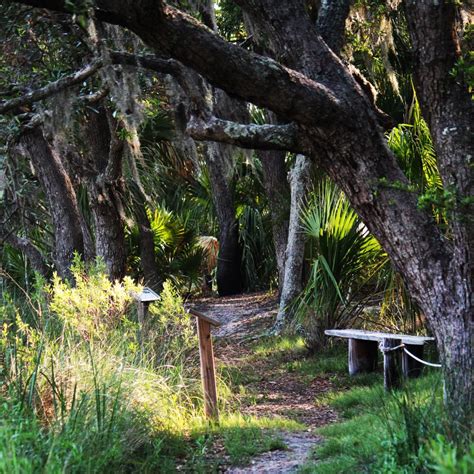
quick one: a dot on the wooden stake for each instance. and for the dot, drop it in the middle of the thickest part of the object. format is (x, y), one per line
(142, 313)
(391, 363)
(208, 373)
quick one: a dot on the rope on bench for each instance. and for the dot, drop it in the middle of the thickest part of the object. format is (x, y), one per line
(390, 349)
(402, 346)
(421, 361)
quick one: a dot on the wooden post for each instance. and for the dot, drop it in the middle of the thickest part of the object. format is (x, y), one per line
(391, 363)
(144, 299)
(208, 374)
(208, 371)
(362, 356)
(410, 366)
(142, 313)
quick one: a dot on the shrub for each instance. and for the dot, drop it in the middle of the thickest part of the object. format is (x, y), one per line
(94, 305)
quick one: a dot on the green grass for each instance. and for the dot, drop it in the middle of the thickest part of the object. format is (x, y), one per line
(279, 345)
(388, 432)
(82, 397)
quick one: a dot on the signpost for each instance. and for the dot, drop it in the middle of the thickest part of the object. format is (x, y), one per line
(206, 353)
(144, 299)
(208, 371)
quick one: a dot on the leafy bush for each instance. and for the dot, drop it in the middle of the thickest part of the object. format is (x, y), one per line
(94, 305)
(177, 253)
(84, 401)
(169, 332)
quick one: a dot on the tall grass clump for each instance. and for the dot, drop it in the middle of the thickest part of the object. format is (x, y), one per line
(78, 393)
(84, 388)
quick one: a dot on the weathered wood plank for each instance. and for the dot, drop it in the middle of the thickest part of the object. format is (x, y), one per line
(391, 363)
(202, 316)
(377, 336)
(208, 373)
(363, 356)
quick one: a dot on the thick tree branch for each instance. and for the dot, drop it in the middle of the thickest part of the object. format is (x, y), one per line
(246, 75)
(261, 137)
(148, 61)
(51, 89)
(331, 22)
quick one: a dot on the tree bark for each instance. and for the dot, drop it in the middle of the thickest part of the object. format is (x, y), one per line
(229, 274)
(61, 198)
(447, 106)
(105, 187)
(278, 195)
(151, 274)
(293, 279)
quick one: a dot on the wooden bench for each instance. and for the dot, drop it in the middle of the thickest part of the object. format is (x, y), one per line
(364, 348)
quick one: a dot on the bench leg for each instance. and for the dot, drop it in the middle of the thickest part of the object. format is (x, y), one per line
(362, 356)
(391, 364)
(410, 366)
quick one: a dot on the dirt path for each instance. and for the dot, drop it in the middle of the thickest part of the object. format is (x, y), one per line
(277, 392)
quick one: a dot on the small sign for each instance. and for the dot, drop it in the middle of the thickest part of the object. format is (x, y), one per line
(147, 296)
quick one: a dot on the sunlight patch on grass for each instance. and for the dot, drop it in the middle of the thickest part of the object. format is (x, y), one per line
(281, 344)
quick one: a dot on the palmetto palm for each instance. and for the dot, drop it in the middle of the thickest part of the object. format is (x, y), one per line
(343, 257)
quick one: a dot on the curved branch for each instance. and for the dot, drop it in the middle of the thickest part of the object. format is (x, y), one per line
(148, 61)
(227, 66)
(51, 89)
(260, 137)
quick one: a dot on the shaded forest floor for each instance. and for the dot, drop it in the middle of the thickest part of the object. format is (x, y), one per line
(265, 376)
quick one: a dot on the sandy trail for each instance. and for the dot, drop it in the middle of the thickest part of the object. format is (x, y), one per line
(279, 393)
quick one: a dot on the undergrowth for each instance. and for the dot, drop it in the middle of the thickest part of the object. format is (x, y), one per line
(84, 389)
(404, 431)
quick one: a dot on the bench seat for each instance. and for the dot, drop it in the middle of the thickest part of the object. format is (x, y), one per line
(377, 336)
(364, 350)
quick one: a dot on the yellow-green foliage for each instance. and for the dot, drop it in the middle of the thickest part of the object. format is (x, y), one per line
(169, 332)
(116, 399)
(95, 304)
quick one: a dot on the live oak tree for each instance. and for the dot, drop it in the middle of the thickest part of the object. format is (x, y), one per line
(331, 117)
(76, 148)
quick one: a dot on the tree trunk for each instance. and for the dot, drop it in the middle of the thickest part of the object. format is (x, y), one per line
(105, 187)
(278, 195)
(151, 274)
(106, 205)
(229, 275)
(61, 198)
(446, 105)
(293, 281)
(219, 160)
